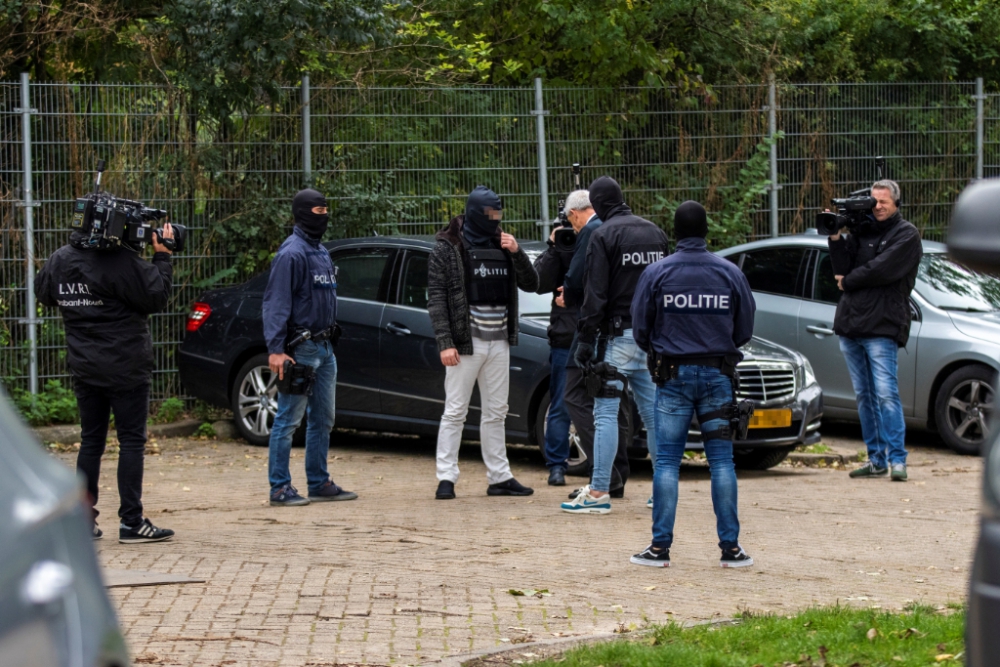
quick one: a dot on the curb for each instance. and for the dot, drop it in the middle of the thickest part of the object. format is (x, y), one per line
(561, 645)
(68, 434)
(817, 460)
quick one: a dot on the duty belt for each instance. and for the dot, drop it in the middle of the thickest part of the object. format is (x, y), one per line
(302, 335)
(616, 326)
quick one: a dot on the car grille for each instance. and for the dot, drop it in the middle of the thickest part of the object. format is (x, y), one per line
(767, 381)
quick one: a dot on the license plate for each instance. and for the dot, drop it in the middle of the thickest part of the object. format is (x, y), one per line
(771, 419)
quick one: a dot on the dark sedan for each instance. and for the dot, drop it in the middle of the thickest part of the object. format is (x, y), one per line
(390, 376)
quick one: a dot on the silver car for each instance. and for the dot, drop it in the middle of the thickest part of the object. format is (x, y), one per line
(947, 371)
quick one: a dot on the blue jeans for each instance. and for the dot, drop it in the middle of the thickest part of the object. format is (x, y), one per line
(625, 355)
(697, 389)
(319, 420)
(872, 363)
(557, 423)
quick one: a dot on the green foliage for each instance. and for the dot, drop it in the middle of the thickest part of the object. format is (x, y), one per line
(205, 431)
(831, 636)
(731, 221)
(55, 404)
(169, 411)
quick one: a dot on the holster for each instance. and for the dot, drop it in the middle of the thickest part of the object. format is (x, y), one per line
(738, 414)
(297, 379)
(597, 377)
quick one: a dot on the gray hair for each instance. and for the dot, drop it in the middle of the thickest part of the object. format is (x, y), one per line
(578, 200)
(891, 186)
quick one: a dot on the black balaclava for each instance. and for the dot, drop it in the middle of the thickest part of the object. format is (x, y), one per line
(690, 220)
(479, 231)
(313, 224)
(606, 198)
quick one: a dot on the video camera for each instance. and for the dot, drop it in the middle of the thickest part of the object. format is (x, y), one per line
(565, 236)
(852, 210)
(112, 221)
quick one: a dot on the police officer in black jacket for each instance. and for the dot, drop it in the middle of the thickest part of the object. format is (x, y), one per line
(692, 312)
(618, 251)
(105, 296)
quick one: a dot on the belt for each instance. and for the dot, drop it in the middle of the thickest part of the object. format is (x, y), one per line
(714, 362)
(608, 327)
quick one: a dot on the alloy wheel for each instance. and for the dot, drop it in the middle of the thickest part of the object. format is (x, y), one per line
(258, 400)
(970, 407)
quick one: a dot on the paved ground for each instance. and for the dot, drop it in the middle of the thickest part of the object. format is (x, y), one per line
(399, 578)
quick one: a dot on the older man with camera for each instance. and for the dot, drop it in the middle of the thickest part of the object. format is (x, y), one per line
(876, 266)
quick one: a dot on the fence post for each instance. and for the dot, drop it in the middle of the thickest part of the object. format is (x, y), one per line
(543, 172)
(29, 232)
(306, 132)
(772, 129)
(980, 99)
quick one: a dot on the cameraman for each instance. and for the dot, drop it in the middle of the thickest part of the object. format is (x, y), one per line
(876, 266)
(105, 297)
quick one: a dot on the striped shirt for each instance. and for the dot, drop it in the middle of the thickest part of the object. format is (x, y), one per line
(488, 322)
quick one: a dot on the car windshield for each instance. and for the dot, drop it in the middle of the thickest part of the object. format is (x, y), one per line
(948, 285)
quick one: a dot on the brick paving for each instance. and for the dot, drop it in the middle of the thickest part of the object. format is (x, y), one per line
(397, 577)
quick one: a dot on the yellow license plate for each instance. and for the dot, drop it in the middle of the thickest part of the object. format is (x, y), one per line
(771, 419)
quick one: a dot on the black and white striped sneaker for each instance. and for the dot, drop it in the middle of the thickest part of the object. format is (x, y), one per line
(652, 557)
(144, 532)
(735, 557)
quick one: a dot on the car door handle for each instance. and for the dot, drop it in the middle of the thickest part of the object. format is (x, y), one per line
(819, 329)
(397, 329)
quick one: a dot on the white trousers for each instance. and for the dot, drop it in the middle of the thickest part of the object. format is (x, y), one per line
(489, 365)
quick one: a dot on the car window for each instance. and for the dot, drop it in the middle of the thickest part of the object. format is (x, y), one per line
(773, 270)
(825, 285)
(359, 272)
(414, 287)
(949, 285)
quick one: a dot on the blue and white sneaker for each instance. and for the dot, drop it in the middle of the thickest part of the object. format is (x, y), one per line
(649, 503)
(584, 503)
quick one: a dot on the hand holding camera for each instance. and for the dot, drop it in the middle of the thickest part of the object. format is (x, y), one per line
(163, 240)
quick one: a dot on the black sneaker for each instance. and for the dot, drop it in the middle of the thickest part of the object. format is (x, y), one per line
(652, 557)
(144, 532)
(735, 557)
(614, 493)
(287, 496)
(446, 490)
(330, 491)
(869, 469)
(98, 533)
(511, 487)
(557, 476)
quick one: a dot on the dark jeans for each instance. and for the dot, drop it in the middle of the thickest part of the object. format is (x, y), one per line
(557, 423)
(131, 408)
(581, 412)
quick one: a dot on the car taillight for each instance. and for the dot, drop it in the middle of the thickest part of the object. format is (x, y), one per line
(199, 313)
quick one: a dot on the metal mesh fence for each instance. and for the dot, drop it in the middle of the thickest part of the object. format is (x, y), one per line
(403, 160)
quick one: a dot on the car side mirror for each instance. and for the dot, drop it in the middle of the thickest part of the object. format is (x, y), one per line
(974, 233)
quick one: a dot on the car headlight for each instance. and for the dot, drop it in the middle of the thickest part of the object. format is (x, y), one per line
(804, 374)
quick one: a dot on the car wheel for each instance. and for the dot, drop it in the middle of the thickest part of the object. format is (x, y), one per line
(255, 400)
(964, 406)
(760, 459)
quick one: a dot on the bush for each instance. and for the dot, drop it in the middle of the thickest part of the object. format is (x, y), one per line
(55, 404)
(170, 410)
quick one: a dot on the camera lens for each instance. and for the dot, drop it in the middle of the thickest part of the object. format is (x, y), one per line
(180, 235)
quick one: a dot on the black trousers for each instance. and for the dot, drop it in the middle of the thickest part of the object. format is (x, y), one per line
(581, 413)
(130, 407)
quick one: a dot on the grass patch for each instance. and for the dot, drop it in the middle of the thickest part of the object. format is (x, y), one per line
(832, 637)
(818, 448)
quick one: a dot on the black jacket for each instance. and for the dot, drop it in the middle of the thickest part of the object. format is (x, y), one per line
(879, 263)
(106, 297)
(618, 252)
(448, 274)
(551, 270)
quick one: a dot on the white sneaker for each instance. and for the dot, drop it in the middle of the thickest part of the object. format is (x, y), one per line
(584, 503)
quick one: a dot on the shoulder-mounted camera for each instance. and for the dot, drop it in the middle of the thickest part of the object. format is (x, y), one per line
(850, 211)
(112, 221)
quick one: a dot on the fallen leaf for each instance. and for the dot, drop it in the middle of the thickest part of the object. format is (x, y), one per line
(872, 634)
(186, 489)
(943, 657)
(649, 588)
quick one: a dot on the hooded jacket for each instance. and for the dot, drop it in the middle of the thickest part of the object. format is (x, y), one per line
(618, 251)
(105, 298)
(448, 274)
(879, 263)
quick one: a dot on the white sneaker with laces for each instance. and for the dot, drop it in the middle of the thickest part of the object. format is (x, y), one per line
(584, 503)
